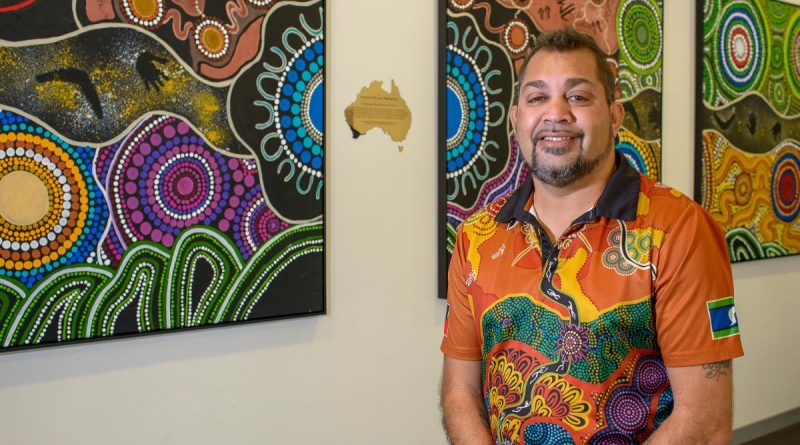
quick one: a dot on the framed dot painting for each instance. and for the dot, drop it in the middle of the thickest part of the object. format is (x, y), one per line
(747, 170)
(482, 45)
(161, 166)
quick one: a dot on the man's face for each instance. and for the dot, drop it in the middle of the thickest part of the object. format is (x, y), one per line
(564, 126)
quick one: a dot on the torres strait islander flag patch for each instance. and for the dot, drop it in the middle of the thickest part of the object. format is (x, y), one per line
(722, 315)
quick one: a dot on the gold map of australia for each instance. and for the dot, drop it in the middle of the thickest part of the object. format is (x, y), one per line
(374, 107)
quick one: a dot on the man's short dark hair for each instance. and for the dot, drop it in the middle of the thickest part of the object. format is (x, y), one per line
(565, 40)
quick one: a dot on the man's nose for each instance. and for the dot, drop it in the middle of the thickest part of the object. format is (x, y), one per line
(558, 111)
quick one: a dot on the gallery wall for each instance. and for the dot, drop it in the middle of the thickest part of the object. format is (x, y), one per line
(367, 372)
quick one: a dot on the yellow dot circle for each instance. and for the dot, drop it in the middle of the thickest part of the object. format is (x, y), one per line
(146, 9)
(24, 199)
(213, 39)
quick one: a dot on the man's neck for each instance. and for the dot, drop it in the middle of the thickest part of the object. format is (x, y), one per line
(557, 207)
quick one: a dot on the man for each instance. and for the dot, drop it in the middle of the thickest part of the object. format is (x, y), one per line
(591, 305)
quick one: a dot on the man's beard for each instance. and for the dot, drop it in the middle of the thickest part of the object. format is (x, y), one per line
(564, 175)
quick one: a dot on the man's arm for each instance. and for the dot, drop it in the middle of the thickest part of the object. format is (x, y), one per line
(463, 412)
(703, 406)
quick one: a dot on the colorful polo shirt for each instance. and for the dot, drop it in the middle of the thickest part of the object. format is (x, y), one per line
(575, 337)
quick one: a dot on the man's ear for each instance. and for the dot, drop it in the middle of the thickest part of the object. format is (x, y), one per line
(617, 114)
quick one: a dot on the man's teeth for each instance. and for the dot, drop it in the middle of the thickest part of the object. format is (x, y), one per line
(556, 138)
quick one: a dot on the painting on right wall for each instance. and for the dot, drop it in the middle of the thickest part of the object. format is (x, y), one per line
(747, 171)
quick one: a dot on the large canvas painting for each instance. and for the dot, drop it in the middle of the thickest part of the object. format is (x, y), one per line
(161, 165)
(748, 109)
(483, 43)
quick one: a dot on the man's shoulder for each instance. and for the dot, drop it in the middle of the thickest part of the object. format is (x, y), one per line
(491, 210)
(660, 203)
(486, 218)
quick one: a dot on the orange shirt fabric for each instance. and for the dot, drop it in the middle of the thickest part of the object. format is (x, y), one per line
(575, 337)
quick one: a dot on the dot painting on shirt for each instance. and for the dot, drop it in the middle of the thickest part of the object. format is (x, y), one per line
(574, 337)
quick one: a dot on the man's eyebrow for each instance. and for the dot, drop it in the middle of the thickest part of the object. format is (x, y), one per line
(570, 83)
(535, 84)
(574, 81)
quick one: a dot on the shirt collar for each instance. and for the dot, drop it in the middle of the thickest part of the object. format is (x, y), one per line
(619, 199)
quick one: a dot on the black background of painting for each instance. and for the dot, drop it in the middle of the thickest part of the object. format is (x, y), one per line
(245, 115)
(40, 20)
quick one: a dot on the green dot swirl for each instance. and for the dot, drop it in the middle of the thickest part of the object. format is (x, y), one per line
(640, 37)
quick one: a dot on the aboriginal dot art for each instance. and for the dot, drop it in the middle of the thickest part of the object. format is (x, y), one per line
(748, 110)
(161, 166)
(485, 42)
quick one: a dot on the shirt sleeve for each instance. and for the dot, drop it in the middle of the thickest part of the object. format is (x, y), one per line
(695, 316)
(460, 339)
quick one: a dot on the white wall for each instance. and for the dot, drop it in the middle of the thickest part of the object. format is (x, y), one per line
(368, 371)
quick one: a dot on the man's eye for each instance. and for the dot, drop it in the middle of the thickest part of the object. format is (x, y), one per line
(577, 98)
(536, 99)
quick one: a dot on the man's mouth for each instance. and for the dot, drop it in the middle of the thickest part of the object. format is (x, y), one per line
(556, 138)
(555, 141)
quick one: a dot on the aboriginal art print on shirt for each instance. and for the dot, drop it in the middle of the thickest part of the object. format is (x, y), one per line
(748, 157)
(575, 336)
(161, 165)
(484, 43)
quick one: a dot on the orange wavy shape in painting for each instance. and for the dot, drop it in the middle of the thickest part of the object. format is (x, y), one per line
(735, 213)
(486, 24)
(756, 210)
(180, 29)
(587, 16)
(245, 51)
(193, 8)
(99, 10)
(236, 11)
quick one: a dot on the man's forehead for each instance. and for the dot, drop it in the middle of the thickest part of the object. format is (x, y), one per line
(536, 72)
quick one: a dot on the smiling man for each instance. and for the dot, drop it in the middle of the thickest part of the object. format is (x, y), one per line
(591, 305)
